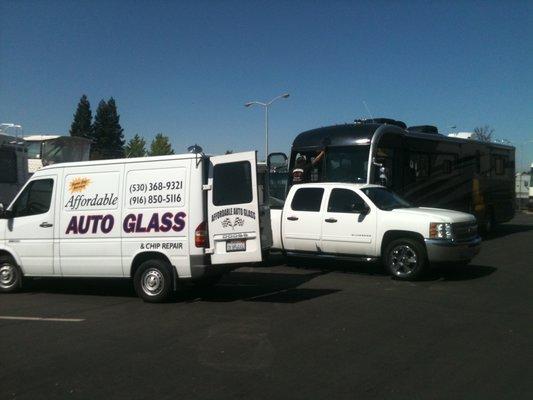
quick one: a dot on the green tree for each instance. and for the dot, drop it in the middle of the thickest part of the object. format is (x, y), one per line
(108, 141)
(160, 146)
(82, 123)
(136, 147)
(229, 152)
(483, 133)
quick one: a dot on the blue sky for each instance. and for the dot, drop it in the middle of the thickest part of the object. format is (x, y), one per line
(186, 68)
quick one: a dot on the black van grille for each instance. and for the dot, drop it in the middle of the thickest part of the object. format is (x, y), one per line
(464, 231)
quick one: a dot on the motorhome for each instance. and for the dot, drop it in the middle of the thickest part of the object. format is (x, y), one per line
(420, 164)
(13, 166)
(156, 220)
(52, 149)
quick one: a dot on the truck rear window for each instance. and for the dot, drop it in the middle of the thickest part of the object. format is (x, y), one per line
(232, 183)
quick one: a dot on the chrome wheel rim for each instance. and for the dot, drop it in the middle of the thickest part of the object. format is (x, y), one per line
(403, 260)
(152, 282)
(8, 276)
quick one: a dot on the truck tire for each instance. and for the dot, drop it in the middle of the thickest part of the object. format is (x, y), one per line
(405, 259)
(153, 281)
(10, 275)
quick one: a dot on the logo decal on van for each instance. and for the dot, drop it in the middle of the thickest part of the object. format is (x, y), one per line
(78, 185)
(237, 222)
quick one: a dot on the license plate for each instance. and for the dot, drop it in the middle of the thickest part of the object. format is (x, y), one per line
(235, 245)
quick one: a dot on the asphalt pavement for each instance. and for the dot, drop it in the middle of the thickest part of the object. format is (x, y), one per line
(316, 330)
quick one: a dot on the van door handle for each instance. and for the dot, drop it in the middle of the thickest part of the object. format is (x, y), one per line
(330, 220)
(46, 225)
(292, 218)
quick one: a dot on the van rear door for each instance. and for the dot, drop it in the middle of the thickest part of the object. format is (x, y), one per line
(233, 209)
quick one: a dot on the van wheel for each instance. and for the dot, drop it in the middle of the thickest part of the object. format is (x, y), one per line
(405, 259)
(10, 275)
(153, 281)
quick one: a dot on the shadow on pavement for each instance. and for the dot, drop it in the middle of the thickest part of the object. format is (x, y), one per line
(506, 230)
(248, 286)
(448, 272)
(259, 287)
(82, 286)
(459, 273)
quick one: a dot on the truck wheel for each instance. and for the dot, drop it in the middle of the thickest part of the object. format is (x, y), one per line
(10, 275)
(153, 281)
(405, 259)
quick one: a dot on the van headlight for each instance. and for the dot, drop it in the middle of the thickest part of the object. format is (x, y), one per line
(440, 230)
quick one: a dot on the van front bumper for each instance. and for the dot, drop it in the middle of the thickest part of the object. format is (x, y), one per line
(440, 250)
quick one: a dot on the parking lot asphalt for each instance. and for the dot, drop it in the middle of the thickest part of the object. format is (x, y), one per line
(320, 330)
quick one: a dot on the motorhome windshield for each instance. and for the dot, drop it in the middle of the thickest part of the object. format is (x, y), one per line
(385, 199)
(346, 164)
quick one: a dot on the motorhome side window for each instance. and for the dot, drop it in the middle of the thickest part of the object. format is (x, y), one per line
(307, 199)
(8, 166)
(419, 165)
(232, 183)
(35, 199)
(345, 201)
(499, 165)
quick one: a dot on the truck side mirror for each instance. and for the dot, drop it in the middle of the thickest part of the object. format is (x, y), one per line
(362, 209)
(5, 214)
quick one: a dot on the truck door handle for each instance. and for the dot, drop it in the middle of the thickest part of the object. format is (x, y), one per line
(292, 218)
(330, 220)
(46, 225)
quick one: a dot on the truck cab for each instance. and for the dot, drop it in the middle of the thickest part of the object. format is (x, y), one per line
(368, 222)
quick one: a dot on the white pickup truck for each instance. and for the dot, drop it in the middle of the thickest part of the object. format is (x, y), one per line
(370, 222)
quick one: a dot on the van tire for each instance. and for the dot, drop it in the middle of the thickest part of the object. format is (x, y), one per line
(153, 281)
(405, 259)
(10, 275)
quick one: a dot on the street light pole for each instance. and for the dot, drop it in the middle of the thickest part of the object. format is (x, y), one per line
(266, 106)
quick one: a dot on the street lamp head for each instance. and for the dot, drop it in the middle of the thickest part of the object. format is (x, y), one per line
(248, 104)
(285, 95)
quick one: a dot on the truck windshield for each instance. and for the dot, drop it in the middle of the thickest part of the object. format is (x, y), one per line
(385, 199)
(346, 164)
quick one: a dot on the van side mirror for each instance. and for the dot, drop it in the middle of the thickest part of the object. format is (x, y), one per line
(277, 162)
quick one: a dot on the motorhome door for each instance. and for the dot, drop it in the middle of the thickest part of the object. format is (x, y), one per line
(233, 209)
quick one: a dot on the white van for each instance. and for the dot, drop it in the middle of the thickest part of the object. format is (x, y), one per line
(157, 220)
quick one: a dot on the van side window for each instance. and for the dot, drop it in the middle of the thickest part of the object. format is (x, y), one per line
(232, 183)
(35, 199)
(345, 201)
(307, 199)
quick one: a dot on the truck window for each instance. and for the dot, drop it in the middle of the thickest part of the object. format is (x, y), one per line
(232, 183)
(345, 201)
(35, 199)
(307, 199)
